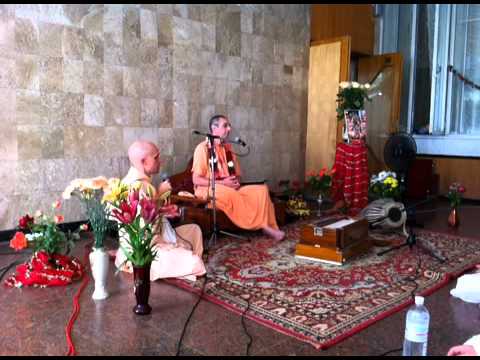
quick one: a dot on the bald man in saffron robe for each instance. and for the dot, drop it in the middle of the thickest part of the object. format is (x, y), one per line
(177, 257)
(249, 207)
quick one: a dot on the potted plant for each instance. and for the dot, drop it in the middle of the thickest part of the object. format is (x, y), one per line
(137, 214)
(90, 192)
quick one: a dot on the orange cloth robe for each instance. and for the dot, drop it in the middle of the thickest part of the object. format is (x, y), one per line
(249, 207)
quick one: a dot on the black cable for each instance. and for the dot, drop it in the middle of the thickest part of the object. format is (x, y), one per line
(9, 253)
(250, 339)
(191, 313)
(207, 249)
(391, 351)
(8, 267)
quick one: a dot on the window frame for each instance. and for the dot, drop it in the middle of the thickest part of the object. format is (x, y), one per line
(440, 142)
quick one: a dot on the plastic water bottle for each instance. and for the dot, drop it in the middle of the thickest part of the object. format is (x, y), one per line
(416, 329)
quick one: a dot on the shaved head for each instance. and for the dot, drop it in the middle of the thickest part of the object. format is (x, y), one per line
(141, 154)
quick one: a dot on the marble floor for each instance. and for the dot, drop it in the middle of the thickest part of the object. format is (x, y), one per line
(33, 320)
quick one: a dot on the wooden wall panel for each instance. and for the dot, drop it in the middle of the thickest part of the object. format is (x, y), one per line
(465, 171)
(329, 63)
(355, 20)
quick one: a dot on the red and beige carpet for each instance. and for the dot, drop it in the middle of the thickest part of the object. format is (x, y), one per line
(323, 304)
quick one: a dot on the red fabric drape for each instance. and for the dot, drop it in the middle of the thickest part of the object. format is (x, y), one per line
(350, 182)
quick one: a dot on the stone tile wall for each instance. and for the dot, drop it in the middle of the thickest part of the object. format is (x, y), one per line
(80, 82)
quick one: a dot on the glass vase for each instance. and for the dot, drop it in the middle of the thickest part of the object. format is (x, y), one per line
(453, 219)
(319, 202)
(141, 279)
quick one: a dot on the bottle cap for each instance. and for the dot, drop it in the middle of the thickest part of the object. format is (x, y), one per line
(419, 300)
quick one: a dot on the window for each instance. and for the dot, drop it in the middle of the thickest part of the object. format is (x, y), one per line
(440, 103)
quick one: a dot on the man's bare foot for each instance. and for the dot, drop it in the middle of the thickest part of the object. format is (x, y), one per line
(277, 235)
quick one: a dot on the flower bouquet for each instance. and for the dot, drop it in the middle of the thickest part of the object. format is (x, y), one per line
(90, 192)
(455, 194)
(42, 233)
(320, 183)
(49, 266)
(385, 185)
(297, 206)
(137, 214)
(351, 96)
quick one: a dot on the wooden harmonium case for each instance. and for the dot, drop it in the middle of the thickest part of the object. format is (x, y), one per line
(334, 239)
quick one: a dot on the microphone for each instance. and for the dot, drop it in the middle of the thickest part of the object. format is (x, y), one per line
(164, 176)
(196, 132)
(238, 141)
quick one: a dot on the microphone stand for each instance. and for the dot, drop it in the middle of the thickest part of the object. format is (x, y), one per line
(216, 231)
(412, 240)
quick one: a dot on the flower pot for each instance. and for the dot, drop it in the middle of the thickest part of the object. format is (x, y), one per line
(99, 263)
(141, 279)
(453, 219)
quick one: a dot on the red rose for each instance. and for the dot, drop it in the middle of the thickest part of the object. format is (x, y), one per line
(461, 189)
(19, 241)
(25, 222)
(58, 219)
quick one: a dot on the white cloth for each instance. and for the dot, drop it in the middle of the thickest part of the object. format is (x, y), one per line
(475, 342)
(468, 288)
(168, 233)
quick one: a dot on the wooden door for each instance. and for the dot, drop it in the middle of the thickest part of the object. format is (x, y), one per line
(384, 73)
(329, 65)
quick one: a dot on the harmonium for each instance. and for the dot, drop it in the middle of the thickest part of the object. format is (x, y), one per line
(333, 240)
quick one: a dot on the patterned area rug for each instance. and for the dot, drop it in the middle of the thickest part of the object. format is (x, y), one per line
(323, 304)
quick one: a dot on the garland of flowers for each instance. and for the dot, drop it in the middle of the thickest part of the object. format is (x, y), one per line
(463, 78)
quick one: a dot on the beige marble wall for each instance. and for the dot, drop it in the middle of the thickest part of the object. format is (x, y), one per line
(80, 82)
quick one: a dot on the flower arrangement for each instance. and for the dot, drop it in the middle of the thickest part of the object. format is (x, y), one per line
(137, 212)
(351, 96)
(43, 233)
(385, 185)
(90, 192)
(297, 206)
(455, 193)
(320, 182)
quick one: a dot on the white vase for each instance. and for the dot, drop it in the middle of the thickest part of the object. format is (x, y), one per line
(99, 263)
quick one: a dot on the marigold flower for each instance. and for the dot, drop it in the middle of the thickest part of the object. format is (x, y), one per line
(19, 241)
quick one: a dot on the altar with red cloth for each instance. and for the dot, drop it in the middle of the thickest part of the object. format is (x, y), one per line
(351, 180)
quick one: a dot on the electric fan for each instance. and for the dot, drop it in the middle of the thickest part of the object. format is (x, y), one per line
(399, 152)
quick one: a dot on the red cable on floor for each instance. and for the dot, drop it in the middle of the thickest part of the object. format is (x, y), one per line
(76, 306)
